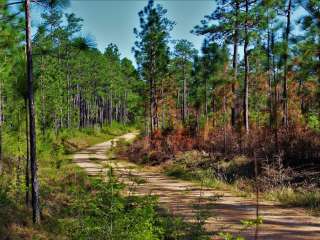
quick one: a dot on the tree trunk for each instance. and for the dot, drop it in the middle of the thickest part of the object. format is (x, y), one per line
(246, 74)
(184, 100)
(224, 125)
(285, 77)
(27, 176)
(32, 127)
(43, 101)
(68, 93)
(125, 112)
(110, 108)
(269, 79)
(153, 94)
(206, 98)
(151, 106)
(235, 68)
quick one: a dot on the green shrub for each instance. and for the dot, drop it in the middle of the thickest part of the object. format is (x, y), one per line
(314, 122)
(109, 215)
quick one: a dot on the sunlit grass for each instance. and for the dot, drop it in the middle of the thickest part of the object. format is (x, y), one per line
(297, 198)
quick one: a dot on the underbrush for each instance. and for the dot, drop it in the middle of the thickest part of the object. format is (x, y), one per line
(296, 146)
(222, 176)
(64, 187)
(225, 158)
(75, 206)
(192, 166)
(309, 199)
(296, 187)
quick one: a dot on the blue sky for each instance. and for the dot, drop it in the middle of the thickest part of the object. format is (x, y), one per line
(111, 21)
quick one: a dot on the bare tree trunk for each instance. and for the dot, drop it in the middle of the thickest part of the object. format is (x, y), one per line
(153, 95)
(155, 106)
(68, 93)
(80, 109)
(43, 100)
(269, 78)
(206, 98)
(27, 176)
(235, 68)
(276, 99)
(125, 108)
(33, 158)
(162, 106)
(275, 93)
(110, 108)
(151, 107)
(246, 74)
(184, 99)
(285, 77)
(146, 118)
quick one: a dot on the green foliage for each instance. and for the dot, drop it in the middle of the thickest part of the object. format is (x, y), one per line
(246, 224)
(297, 198)
(75, 206)
(110, 216)
(229, 236)
(314, 122)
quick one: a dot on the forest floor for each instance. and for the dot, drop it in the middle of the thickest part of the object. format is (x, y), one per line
(218, 211)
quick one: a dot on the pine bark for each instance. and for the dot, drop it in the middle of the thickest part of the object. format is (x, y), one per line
(235, 67)
(27, 172)
(285, 77)
(184, 99)
(246, 73)
(32, 127)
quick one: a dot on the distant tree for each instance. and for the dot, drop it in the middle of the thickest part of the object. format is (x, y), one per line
(224, 25)
(152, 53)
(309, 48)
(183, 55)
(287, 31)
(215, 62)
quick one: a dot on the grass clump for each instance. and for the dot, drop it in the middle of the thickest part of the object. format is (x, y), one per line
(297, 198)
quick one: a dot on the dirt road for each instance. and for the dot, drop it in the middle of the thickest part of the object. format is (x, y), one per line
(221, 209)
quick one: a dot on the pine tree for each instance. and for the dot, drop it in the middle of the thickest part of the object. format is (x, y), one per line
(224, 25)
(310, 47)
(183, 55)
(152, 54)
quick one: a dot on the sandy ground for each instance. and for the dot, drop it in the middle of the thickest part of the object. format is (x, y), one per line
(222, 210)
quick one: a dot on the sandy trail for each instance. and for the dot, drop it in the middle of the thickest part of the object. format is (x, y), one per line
(223, 210)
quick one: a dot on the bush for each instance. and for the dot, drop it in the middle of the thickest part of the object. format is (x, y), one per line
(313, 122)
(108, 215)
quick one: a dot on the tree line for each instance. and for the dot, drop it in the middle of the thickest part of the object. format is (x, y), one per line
(58, 80)
(258, 66)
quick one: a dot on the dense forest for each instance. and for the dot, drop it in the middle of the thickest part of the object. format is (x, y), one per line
(251, 91)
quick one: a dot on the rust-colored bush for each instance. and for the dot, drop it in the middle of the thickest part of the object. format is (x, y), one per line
(297, 146)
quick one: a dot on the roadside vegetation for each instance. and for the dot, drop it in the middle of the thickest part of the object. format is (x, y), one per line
(75, 206)
(234, 173)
